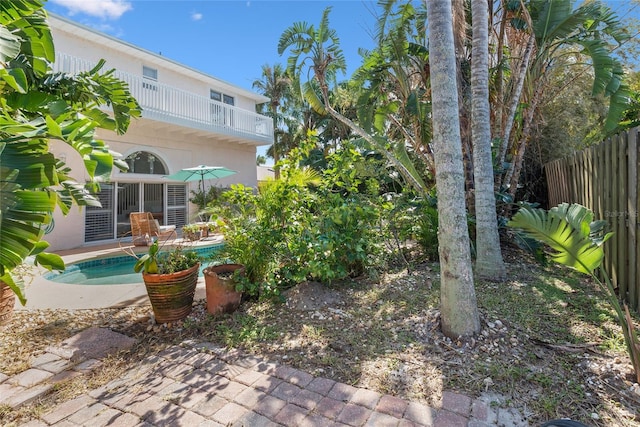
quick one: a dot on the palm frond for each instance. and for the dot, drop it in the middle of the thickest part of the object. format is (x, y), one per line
(310, 94)
(566, 230)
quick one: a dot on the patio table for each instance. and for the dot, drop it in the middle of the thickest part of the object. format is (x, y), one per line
(204, 228)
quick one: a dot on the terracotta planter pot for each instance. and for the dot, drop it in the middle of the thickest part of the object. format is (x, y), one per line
(171, 295)
(221, 293)
(7, 302)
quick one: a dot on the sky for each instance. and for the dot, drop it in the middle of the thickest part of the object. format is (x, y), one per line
(228, 39)
(232, 39)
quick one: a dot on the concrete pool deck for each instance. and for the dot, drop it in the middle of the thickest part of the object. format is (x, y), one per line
(45, 294)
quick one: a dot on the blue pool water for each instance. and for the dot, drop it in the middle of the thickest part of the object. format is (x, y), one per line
(113, 270)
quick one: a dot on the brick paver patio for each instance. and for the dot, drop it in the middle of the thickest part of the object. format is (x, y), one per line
(201, 384)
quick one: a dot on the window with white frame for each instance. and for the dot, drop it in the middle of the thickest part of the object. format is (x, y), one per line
(145, 162)
(228, 100)
(149, 75)
(220, 97)
(215, 95)
(220, 114)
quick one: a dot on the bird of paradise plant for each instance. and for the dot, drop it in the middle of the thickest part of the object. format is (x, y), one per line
(574, 239)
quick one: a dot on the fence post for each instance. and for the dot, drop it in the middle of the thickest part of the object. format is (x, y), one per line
(606, 207)
(590, 178)
(632, 219)
(622, 260)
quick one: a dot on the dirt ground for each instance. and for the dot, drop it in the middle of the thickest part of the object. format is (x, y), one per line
(549, 346)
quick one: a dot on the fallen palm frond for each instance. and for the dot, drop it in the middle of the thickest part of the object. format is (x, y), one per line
(567, 347)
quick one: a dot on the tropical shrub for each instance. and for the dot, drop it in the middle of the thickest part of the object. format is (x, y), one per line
(203, 199)
(427, 227)
(156, 261)
(260, 228)
(341, 240)
(575, 240)
(301, 226)
(344, 237)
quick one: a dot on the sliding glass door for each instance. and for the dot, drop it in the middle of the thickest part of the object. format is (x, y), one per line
(167, 203)
(128, 201)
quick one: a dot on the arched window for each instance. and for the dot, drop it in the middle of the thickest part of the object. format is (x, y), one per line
(145, 162)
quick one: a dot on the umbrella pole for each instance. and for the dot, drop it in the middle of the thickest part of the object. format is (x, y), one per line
(204, 197)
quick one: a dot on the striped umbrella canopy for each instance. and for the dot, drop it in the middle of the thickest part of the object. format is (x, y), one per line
(200, 173)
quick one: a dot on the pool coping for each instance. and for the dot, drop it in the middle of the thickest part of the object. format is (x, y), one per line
(45, 294)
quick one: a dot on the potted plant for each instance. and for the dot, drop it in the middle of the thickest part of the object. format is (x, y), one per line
(223, 287)
(170, 278)
(191, 232)
(216, 225)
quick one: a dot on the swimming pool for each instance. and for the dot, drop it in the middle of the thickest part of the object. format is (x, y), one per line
(113, 270)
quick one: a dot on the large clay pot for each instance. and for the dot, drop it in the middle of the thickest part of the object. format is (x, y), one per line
(7, 302)
(171, 295)
(221, 288)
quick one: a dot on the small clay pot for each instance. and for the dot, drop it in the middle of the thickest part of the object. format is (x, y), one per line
(220, 286)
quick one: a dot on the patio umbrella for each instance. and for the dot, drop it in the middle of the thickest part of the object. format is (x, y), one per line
(200, 173)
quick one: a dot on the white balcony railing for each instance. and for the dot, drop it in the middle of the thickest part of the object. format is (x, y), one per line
(169, 104)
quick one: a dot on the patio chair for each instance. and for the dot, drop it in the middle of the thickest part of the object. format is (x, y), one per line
(144, 228)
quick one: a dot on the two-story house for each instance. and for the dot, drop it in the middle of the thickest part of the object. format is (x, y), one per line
(189, 118)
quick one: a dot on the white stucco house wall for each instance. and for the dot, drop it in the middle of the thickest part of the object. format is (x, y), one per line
(189, 118)
(265, 173)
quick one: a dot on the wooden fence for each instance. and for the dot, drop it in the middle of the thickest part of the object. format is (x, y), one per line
(605, 179)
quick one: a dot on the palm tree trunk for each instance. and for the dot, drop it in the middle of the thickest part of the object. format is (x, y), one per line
(276, 154)
(499, 85)
(513, 173)
(458, 305)
(489, 262)
(515, 99)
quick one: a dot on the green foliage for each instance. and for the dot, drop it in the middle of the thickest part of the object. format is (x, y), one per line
(301, 226)
(631, 117)
(203, 199)
(260, 226)
(158, 262)
(575, 240)
(190, 228)
(427, 227)
(177, 260)
(569, 230)
(321, 48)
(395, 103)
(191, 232)
(148, 263)
(341, 240)
(413, 218)
(37, 105)
(594, 27)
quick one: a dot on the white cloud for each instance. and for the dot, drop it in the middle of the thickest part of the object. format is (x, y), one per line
(106, 9)
(196, 16)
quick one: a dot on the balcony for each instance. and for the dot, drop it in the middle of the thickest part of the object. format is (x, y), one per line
(168, 104)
